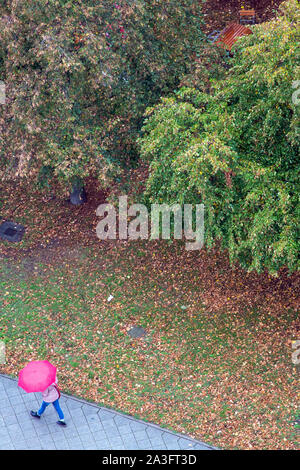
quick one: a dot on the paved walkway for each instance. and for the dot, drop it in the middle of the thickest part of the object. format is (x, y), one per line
(88, 426)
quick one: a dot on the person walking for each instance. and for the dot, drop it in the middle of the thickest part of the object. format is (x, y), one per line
(51, 395)
(40, 376)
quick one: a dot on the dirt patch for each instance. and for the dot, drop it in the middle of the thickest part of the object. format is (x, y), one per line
(51, 222)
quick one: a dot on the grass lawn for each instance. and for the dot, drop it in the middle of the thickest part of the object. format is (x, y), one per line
(215, 362)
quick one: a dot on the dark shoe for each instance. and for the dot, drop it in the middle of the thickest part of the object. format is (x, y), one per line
(34, 414)
(61, 423)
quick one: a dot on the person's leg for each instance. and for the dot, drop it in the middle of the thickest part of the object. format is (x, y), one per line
(59, 411)
(42, 408)
(37, 414)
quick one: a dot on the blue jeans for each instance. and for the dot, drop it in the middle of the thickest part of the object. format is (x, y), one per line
(56, 406)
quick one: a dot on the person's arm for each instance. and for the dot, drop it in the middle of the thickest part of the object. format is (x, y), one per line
(45, 393)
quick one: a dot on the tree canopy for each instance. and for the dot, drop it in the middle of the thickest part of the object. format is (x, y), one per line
(236, 149)
(79, 76)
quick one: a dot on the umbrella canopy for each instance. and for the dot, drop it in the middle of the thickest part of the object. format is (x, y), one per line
(37, 376)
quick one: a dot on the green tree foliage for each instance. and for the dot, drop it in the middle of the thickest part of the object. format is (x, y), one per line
(236, 149)
(79, 76)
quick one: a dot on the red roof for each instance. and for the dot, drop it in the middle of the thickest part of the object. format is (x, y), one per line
(231, 33)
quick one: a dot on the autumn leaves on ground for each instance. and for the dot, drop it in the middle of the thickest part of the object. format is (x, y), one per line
(216, 360)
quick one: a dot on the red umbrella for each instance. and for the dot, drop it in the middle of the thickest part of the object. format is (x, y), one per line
(37, 376)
